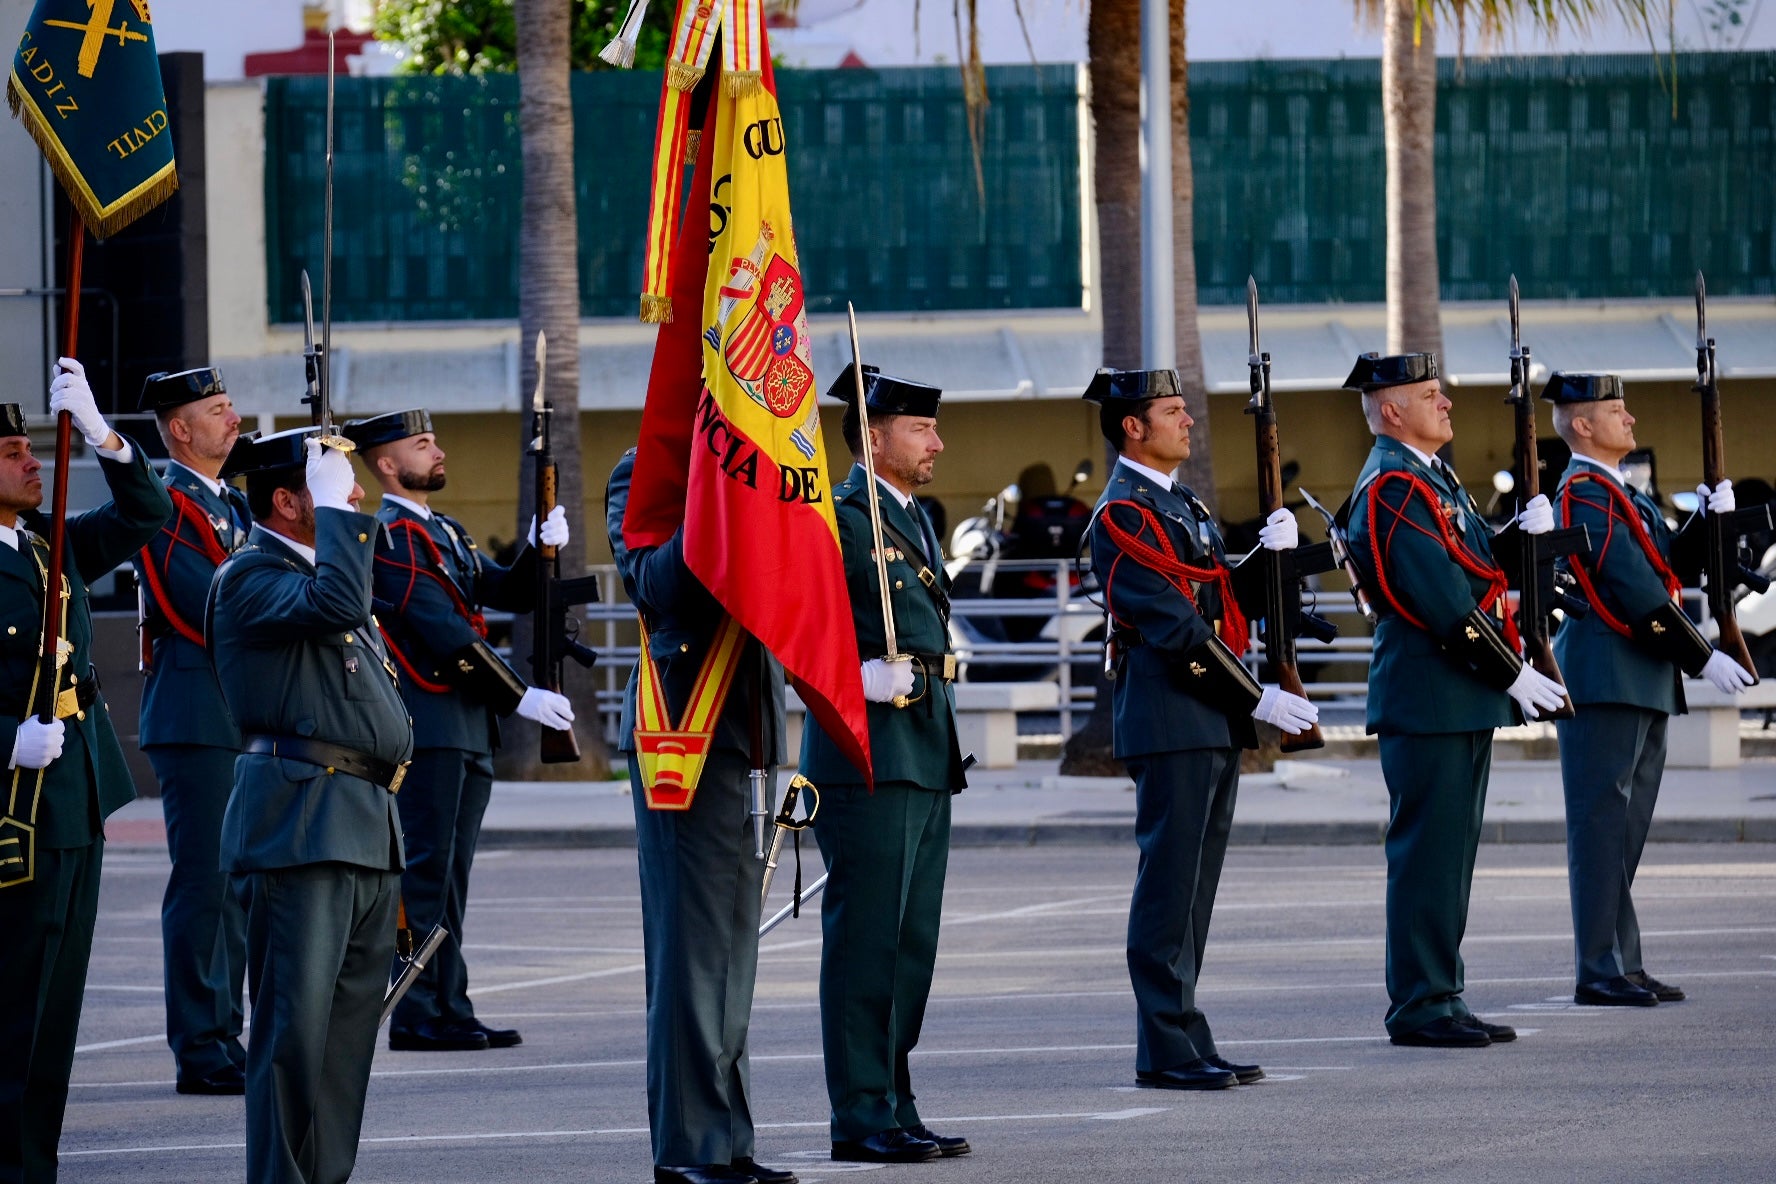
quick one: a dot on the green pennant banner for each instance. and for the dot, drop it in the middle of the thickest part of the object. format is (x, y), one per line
(86, 84)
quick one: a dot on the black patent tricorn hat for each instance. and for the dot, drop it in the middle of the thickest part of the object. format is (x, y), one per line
(1374, 371)
(1132, 386)
(253, 453)
(1582, 388)
(386, 429)
(12, 420)
(163, 391)
(885, 394)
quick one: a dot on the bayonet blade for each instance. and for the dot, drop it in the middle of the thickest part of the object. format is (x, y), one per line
(1516, 337)
(542, 363)
(1252, 358)
(1701, 312)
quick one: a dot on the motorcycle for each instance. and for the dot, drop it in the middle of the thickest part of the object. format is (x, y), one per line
(1013, 549)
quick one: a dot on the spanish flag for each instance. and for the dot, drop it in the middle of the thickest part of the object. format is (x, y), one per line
(730, 435)
(86, 84)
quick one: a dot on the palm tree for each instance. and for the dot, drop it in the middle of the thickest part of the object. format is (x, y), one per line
(549, 302)
(1409, 114)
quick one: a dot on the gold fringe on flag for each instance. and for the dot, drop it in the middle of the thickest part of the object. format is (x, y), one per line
(656, 310)
(743, 83)
(683, 76)
(101, 221)
(743, 39)
(693, 145)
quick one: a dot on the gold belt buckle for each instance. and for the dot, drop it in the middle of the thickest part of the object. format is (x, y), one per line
(949, 667)
(400, 776)
(67, 703)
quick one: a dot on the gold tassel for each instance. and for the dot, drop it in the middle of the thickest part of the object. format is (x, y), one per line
(742, 84)
(656, 310)
(693, 145)
(683, 75)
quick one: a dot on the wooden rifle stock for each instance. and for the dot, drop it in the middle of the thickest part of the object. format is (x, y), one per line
(1722, 542)
(1282, 595)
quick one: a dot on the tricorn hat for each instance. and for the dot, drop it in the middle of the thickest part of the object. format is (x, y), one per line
(163, 392)
(1132, 386)
(1373, 371)
(885, 394)
(12, 420)
(386, 429)
(253, 453)
(1582, 388)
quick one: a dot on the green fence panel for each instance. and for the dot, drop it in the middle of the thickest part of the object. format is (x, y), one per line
(428, 174)
(1572, 172)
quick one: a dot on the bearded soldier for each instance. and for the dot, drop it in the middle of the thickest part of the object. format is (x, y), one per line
(1184, 707)
(63, 777)
(1624, 663)
(431, 584)
(887, 847)
(1446, 671)
(186, 730)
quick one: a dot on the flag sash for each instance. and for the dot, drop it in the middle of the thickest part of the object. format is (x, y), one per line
(672, 754)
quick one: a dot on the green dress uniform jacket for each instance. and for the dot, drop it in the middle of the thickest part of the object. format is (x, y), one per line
(1612, 753)
(191, 741)
(48, 919)
(431, 582)
(316, 854)
(700, 880)
(1183, 752)
(887, 851)
(1434, 714)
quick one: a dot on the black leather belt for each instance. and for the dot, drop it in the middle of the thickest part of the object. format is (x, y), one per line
(332, 757)
(939, 666)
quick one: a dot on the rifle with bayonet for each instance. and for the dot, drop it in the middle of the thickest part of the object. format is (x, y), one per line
(555, 625)
(1724, 565)
(1279, 573)
(1528, 559)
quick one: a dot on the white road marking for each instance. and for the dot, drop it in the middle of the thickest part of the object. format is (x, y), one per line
(104, 1044)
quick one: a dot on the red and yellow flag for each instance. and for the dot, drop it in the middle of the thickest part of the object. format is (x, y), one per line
(730, 436)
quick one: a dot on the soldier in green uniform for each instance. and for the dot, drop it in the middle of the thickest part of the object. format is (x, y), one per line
(1183, 709)
(431, 584)
(886, 849)
(1446, 671)
(311, 836)
(1624, 663)
(64, 777)
(700, 877)
(187, 733)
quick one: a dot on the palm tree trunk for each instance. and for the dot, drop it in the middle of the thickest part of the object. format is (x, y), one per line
(1198, 471)
(1113, 40)
(549, 302)
(1409, 107)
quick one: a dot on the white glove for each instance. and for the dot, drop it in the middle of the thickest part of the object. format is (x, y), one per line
(1720, 499)
(1535, 692)
(1538, 516)
(1279, 532)
(69, 392)
(547, 708)
(330, 477)
(37, 743)
(554, 528)
(885, 681)
(1728, 677)
(1291, 713)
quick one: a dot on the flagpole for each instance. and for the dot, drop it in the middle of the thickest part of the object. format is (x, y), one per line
(58, 520)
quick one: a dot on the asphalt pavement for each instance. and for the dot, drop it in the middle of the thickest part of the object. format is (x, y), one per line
(1028, 1045)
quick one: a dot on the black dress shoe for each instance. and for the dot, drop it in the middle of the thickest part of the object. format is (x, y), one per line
(1443, 1032)
(496, 1037)
(947, 1145)
(1663, 992)
(226, 1081)
(709, 1173)
(1244, 1074)
(1197, 1074)
(761, 1173)
(435, 1036)
(895, 1146)
(1497, 1033)
(1614, 992)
